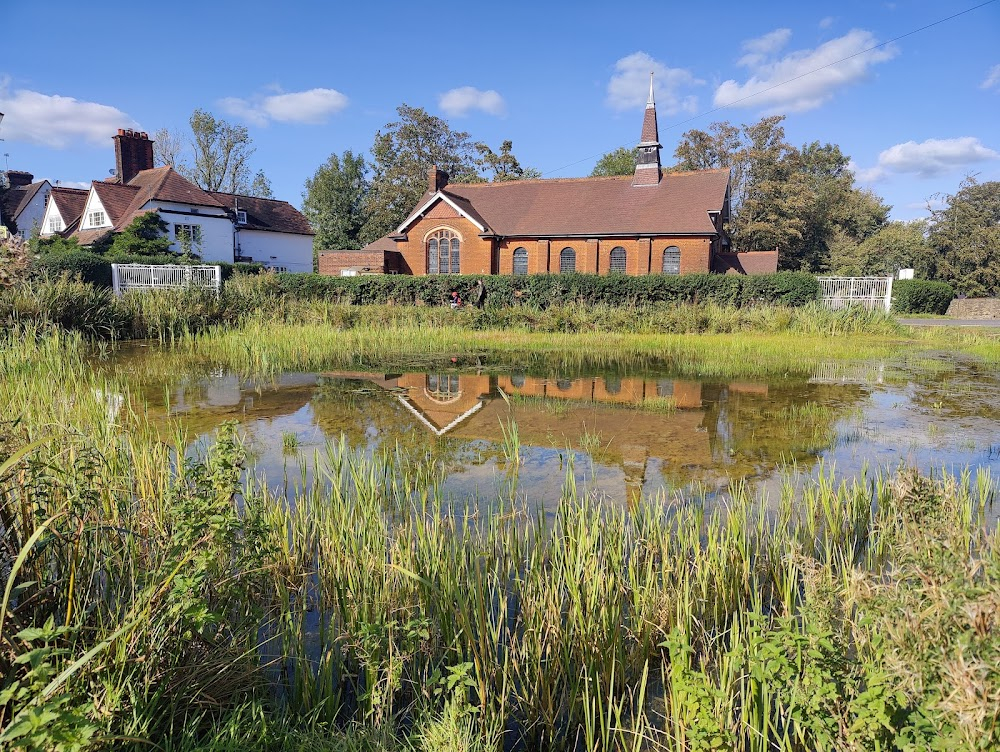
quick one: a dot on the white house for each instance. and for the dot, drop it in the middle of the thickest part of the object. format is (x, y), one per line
(24, 202)
(215, 226)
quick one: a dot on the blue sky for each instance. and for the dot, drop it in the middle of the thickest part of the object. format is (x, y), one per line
(565, 81)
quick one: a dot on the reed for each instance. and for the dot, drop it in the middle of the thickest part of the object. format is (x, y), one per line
(157, 596)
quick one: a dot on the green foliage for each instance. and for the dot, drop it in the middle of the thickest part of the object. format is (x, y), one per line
(334, 200)
(145, 236)
(894, 246)
(621, 161)
(921, 296)
(88, 266)
(504, 166)
(965, 239)
(222, 154)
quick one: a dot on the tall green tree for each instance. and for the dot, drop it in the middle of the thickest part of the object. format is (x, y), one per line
(895, 246)
(261, 186)
(334, 201)
(401, 155)
(221, 154)
(965, 239)
(621, 161)
(144, 236)
(504, 166)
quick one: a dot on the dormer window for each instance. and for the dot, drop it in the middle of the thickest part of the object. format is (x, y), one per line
(96, 219)
(241, 217)
(55, 224)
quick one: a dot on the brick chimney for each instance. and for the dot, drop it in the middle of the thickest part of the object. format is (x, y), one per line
(19, 178)
(436, 179)
(133, 154)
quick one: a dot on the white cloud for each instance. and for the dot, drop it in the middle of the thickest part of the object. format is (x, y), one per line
(767, 88)
(827, 22)
(312, 107)
(992, 79)
(57, 121)
(929, 158)
(70, 183)
(629, 86)
(463, 100)
(759, 48)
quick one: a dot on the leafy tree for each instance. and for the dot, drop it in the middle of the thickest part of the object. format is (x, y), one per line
(503, 166)
(144, 236)
(54, 244)
(402, 154)
(261, 186)
(621, 161)
(168, 150)
(222, 153)
(965, 239)
(895, 246)
(334, 201)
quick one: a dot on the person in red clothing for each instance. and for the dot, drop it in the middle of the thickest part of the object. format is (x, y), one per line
(455, 302)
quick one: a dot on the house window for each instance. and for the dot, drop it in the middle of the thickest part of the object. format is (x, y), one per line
(443, 253)
(672, 260)
(520, 262)
(612, 385)
(241, 217)
(55, 224)
(96, 219)
(567, 261)
(443, 387)
(665, 388)
(618, 257)
(188, 235)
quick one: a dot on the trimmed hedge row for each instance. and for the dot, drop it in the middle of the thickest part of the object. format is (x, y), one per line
(543, 290)
(96, 269)
(921, 296)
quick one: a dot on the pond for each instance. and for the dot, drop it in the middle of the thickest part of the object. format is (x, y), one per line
(620, 434)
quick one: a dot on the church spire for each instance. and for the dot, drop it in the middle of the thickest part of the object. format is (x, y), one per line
(647, 168)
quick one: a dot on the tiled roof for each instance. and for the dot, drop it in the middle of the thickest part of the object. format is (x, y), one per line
(385, 243)
(267, 214)
(17, 199)
(89, 237)
(678, 204)
(649, 133)
(69, 202)
(161, 184)
(115, 198)
(748, 262)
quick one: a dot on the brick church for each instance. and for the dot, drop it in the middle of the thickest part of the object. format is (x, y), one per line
(650, 222)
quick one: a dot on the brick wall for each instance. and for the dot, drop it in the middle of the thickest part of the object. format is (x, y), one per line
(332, 263)
(593, 256)
(477, 252)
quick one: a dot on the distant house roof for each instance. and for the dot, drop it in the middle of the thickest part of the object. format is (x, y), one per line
(747, 262)
(678, 205)
(267, 214)
(70, 203)
(16, 200)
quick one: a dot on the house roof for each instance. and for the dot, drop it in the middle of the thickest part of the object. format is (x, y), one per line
(678, 204)
(160, 184)
(385, 243)
(69, 202)
(267, 214)
(16, 200)
(115, 198)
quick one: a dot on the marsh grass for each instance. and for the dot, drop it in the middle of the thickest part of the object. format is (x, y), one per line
(156, 599)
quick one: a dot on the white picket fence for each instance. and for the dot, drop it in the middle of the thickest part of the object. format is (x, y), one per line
(870, 292)
(127, 277)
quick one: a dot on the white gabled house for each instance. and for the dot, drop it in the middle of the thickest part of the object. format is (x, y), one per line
(215, 226)
(24, 202)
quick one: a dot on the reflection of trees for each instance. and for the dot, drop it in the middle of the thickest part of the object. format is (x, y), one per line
(752, 432)
(955, 389)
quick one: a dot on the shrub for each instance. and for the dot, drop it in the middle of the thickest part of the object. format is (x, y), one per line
(921, 296)
(91, 267)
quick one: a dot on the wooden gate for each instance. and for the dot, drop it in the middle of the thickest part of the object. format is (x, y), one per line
(127, 277)
(871, 292)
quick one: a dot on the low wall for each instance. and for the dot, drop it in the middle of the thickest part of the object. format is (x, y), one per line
(332, 263)
(975, 308)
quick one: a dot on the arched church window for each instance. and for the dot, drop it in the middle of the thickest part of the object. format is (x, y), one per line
(567, 261)
(618, 257)
(520, 262)
(672, 260)
(443, 253)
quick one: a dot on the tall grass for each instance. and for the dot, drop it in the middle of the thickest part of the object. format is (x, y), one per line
(154, 598)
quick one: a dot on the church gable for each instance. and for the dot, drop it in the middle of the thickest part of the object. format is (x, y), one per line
(442, 210)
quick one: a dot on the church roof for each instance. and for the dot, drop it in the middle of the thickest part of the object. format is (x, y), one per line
(678, 205)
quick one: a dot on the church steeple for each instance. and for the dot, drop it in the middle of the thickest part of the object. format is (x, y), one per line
(647, 168)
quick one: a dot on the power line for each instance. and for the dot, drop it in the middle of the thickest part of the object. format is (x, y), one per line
(788, 81)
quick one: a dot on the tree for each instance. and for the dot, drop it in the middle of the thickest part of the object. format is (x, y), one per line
(895, 246)
(504, 166)
(334, 201)
(965, 239)
(401, 156)
(221, 154)
(261, 186)
(144, 236)
(621, 161)
(168, 150)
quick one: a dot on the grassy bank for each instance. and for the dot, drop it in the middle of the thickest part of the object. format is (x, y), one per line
(156, 602)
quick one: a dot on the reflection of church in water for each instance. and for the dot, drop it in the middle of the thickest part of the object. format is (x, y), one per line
(631, 416)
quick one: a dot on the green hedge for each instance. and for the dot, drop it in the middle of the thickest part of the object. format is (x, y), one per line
(543, 290)
(921, 296)
(96, 268)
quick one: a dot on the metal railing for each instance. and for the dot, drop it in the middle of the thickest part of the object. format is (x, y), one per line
(125, 277)
(870, 292)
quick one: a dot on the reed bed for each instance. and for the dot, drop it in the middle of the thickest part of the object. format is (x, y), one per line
(157, 599)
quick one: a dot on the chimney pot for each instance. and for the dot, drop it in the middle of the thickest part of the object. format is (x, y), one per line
(121, 131)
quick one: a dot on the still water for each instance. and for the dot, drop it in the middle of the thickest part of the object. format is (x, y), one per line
(619, 435)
